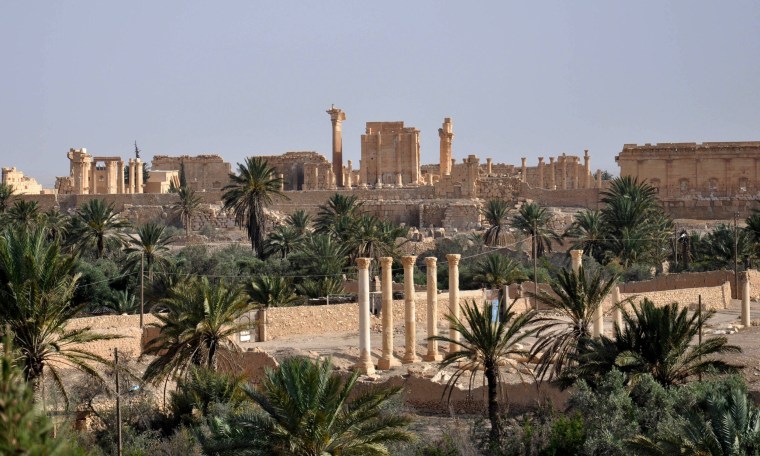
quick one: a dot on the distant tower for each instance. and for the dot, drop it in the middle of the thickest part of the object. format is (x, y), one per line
(337, 116)
(446, 133)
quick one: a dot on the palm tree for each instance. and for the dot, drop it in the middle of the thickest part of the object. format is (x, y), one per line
(719, 245)
(496, 214)
(186, 206)
(6, 196)
(251, 190)
(300, 221)
(486, 343)
(336, 216)
(149, 244)
(321, 288)
(25, 429)
(306, 410)
(97, 222)
(576, 297)
(533, 220)
(37, 283)
(321, 255)
(197, 326)
(123, 303)
(725, 423)
(283, 240)
(56, 224)
(269, 291)
(657, 341)
(496, 271)
(374, 238)
(588, 232)
(24, 214)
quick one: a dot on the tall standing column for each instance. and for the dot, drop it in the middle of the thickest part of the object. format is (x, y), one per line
(587, 168)
(92, 178)
(410, 311)
(746, 291)
(540, 172)
(131, 175)
(432, 309)
(524, 177)
(618, 312)
(337, 117)
(577, 258)
(120, 177)
(387, 360)
(364, 364)
(565, 176)
(138, 176)
(552, 174)
(598, 178)
(489, 166)
(453, 259)
(348, 179)
(576, 172)
(446, 135)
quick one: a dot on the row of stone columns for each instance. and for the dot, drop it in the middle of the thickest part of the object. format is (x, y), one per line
(387, 359)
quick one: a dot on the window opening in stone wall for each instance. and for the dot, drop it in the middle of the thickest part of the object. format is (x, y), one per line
(712, 185)
(743, 184)
(684, 185)
(656, 184)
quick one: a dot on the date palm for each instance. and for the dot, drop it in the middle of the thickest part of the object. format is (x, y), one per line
(300, 221)
(270, 291)
(283, 240)
(658, 341)
(56, 224)
(251, 190)
(186, 206)
(96, 222)
(374, 238)
(307, 409)
(37, 283)
(496, 214)
(7, 193)
(576, 297)
(321, 287)
(24, 214)
(486, 343)
(337, 215)
(588, 233)
(496, 271)
(533, 220)
(148, 245)
(198, 322)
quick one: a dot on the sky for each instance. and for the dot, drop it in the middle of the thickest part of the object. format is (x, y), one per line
(241, 78)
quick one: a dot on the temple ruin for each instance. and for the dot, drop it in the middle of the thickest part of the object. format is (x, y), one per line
(21, 185)
(90, 175)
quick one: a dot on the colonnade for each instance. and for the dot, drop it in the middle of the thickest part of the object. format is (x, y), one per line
(387, 358)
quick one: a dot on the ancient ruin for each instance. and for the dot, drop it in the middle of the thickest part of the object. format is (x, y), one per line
(202, 173)
(390, 155)
(22, 185)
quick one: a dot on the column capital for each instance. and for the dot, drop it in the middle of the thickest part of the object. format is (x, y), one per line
(576, 254)
(386, 262)
(408, 260)
(744, 276)
(431, 261)
(453, 258)
(336, 115)
(363, 263)
(540, 160)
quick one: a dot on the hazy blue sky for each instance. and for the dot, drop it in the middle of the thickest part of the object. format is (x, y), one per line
(241, 78)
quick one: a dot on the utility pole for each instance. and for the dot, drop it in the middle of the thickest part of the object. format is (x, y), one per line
(142, 287)
(535, 265)
(736, 255)
(118, 400)
(699, 319)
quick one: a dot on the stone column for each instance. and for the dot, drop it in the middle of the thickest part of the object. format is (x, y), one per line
(576, 173)
(432, 309)
(746, 291)
(131, 180)
(489, 166)
(598, 178)
(618, 312)
(577, 258)
(540, 172)
(348, 174)
(453, 259)
(364, 364)
(552, 174)
(587, 169)
(92, 180)
(564, 172)
(524, 176)
(138, 176)
(446, 135)
(410, 311)
(387, 360)
(399, 180)
(120, 177)
(337, 117)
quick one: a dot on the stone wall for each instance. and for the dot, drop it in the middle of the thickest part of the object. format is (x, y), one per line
(714, 298)
(202, 172)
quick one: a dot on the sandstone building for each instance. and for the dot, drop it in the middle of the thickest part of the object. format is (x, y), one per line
(390, 155)
(22, 185)
(99, 175)
(202, 172)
